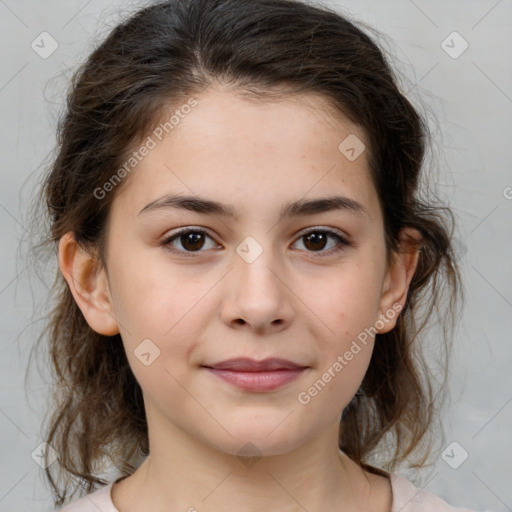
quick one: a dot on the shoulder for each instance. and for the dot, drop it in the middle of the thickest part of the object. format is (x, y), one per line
(93, 502)
(408, 498)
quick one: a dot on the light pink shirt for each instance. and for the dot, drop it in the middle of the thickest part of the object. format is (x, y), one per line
(406, 498)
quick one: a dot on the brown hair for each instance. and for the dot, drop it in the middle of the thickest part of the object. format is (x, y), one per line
(157, 57)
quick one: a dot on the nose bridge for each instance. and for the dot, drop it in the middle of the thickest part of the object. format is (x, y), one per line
(257, 264)
(259, 296)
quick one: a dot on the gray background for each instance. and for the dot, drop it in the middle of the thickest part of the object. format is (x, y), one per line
(468, 101)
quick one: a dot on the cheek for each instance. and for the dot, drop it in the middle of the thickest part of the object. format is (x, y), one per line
(338, 376)
(348, 307)
(335, 384)
(347, 302)
(344, 350)
(150, 299)
(158, 323)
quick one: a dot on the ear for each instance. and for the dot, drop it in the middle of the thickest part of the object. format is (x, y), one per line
(88, 283)
(399, 276)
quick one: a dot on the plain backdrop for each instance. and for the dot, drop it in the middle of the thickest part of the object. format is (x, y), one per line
(455, 56)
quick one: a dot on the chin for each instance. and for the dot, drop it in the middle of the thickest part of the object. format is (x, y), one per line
(263, 439)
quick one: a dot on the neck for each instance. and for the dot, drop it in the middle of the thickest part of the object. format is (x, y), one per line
(192, 476)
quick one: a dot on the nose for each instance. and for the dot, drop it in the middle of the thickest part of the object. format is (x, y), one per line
(258, 297)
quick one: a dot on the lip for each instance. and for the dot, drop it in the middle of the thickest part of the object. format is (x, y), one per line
(244, 364)
(252, 375)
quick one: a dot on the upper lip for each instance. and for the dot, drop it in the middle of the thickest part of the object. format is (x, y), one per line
(252, 365)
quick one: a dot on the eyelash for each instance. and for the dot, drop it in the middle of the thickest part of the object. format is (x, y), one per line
(342, 242)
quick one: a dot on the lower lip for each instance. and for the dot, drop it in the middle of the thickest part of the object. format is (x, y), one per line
(258, 381)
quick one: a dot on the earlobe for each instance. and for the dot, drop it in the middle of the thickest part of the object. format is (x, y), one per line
(399, 276)
(88, 284)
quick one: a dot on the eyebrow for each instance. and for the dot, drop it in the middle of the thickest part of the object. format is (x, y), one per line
(298, 208)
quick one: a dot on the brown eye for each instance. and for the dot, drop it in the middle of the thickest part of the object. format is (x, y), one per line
(316, 241)
(191, 240)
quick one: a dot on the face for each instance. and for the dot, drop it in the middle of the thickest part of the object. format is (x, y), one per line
(302, 287)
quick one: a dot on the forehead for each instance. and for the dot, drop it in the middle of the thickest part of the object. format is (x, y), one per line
(253, 152)
(237, 117)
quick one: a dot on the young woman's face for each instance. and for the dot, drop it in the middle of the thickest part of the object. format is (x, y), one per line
(259, 285)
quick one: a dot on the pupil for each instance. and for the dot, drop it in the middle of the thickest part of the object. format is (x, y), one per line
(192, 239)
(315, 237)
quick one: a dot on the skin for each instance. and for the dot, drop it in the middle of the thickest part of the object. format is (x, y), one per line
(255, 156)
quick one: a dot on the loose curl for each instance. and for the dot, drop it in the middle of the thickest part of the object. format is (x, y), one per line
(260, 49)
